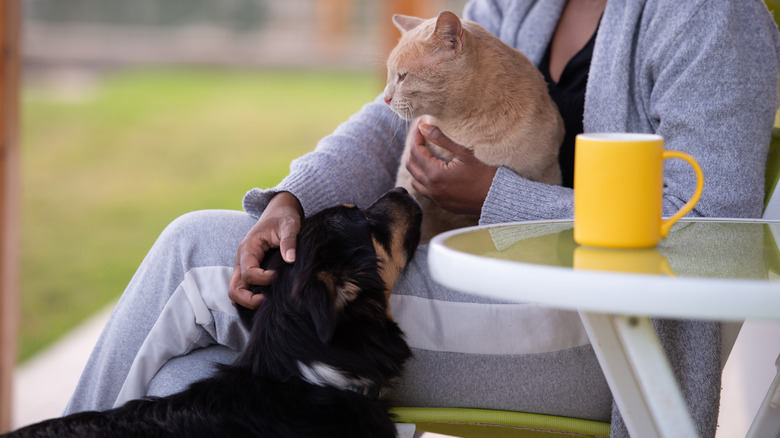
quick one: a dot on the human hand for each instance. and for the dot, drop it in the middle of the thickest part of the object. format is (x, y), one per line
(460, 185)
(277, 227)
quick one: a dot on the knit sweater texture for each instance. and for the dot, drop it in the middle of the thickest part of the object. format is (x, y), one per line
(701, 73)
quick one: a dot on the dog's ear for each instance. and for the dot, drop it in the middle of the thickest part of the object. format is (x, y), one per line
(322, 313)
(324, 296)
(311, 296)
(340, 287)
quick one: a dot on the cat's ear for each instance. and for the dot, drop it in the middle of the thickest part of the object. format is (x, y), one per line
(406, 22)
(449, 31)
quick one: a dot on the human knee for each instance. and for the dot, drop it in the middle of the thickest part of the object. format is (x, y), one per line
(209, 230)
(189, 224)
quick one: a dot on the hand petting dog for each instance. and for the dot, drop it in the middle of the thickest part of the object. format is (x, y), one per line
(321, 345)
(277, 227)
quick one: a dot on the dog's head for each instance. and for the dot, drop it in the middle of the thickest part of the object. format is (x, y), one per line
(326, 316)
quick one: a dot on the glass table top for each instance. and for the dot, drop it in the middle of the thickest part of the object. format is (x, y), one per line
(709, 248)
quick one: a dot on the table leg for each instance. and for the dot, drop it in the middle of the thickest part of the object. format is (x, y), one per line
(639, 375)
(767, 420)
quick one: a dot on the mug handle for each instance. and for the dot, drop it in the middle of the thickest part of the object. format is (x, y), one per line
(667, 224)
(666, 268)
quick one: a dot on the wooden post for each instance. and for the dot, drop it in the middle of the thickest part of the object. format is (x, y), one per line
(334, 19)
(10, 16)
(417, 8)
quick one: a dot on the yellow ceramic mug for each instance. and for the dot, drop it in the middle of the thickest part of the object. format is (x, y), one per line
(618, 190)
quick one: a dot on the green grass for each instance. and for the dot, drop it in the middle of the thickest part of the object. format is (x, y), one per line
(104, 173)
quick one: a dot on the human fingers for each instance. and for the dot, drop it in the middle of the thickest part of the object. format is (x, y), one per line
(248, 266)
(239, 293)
(459, 185)
(436, 136)
(288, 236)
(416, 165)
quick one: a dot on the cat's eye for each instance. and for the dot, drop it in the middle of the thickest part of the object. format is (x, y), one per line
(401, 76)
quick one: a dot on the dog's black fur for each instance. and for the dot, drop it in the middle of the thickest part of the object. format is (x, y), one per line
(329, 307)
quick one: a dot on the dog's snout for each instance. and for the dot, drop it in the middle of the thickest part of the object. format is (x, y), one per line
(401, 190)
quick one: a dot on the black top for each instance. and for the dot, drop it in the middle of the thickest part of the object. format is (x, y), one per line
(569, 95)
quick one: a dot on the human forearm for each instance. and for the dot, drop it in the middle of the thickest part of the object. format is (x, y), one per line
(513, 198)
(356, 163)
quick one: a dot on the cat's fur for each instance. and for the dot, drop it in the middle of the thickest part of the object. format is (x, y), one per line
(481, 93)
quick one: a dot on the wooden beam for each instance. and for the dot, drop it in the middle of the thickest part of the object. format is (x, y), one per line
(10, 19)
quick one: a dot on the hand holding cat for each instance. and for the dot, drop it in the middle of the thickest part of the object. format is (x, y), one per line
(460, 185)
(277, 227)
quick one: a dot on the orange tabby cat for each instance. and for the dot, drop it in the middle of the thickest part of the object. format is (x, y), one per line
(481, 93)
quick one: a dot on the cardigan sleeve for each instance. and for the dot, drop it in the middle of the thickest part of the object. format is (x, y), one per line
(711, 91)
(356, 164)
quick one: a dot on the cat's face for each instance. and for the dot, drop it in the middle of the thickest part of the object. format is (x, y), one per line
(421, 67)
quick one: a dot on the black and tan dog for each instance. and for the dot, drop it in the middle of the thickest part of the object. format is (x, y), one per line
(321, 343)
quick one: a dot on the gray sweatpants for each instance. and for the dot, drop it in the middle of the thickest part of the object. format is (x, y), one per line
(174, 322)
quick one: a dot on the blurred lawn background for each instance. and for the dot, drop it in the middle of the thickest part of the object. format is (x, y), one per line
(106, 166)
(134, 113)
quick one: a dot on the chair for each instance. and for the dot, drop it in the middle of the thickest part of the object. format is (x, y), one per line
(481, 423)
(484, 423)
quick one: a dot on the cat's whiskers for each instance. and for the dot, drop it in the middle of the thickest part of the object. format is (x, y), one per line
(409, 114)
(405, 109)
(399, 125)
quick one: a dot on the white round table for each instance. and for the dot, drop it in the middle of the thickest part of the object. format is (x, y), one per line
(721, 269)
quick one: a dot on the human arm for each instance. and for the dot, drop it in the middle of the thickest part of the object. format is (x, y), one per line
(711, 91)
(357, 163)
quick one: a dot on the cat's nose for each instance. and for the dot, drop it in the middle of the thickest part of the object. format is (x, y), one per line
(387, 94)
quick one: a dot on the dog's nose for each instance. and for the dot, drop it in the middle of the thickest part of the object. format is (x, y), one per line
(401, 190)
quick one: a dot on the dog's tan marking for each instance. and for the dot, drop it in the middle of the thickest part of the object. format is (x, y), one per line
(342, 291)
(346, 293)
(391, 265)
(388, 277)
